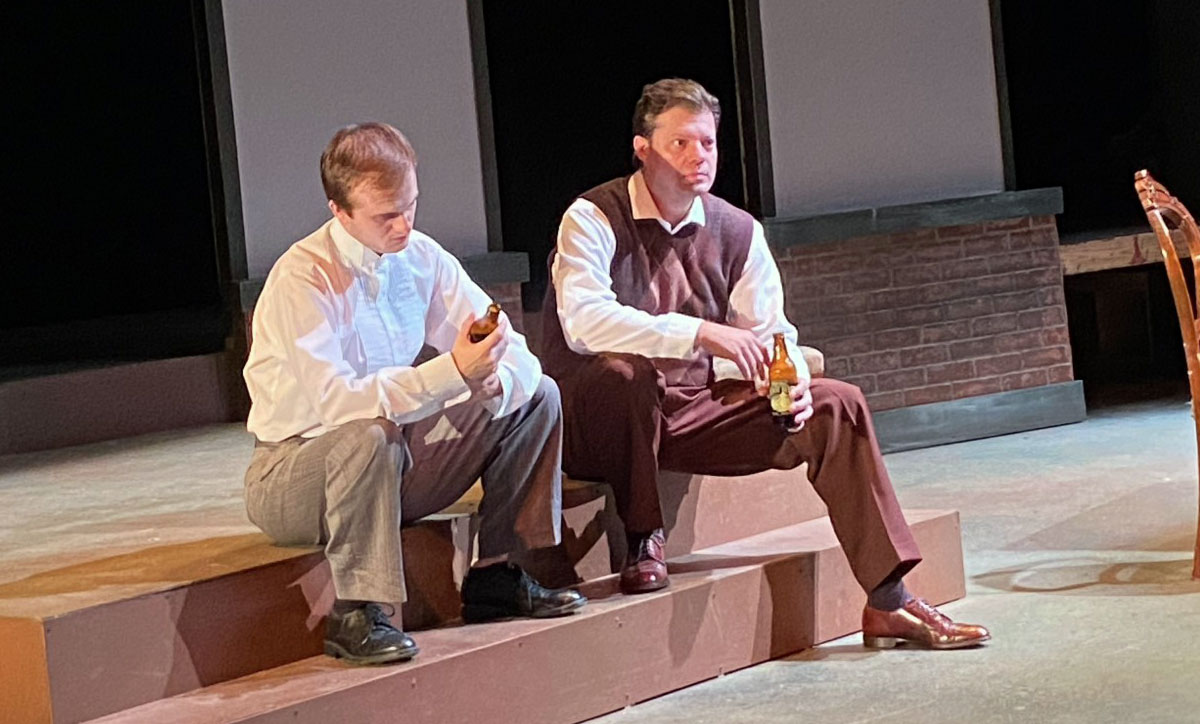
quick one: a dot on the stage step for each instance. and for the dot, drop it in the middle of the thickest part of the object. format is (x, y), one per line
(118, 631)
(97, 637)
(729, 606)
(701, 511)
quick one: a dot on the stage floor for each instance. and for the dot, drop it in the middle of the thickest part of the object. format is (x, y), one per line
(63, 509)
(1077, 543)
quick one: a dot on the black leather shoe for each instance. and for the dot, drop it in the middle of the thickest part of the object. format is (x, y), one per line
(503, 590)
(365, 635)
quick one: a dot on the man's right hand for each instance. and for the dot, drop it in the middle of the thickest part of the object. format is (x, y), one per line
(477, 361)
(733, 343)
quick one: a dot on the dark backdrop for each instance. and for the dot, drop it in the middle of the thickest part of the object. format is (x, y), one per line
(108, 211)
(564, 79)
(1098, 91)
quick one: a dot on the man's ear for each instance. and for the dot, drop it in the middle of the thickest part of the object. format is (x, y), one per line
(641, 147)
(337, 211)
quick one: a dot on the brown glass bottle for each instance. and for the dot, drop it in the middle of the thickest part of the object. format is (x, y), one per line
(485, 325)
(782, 377)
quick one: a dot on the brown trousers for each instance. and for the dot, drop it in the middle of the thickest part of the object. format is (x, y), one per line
(623, 424)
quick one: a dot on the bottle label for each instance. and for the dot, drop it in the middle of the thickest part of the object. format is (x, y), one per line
(781, 398)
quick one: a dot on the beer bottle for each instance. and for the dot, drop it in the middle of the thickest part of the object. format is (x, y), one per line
(782, 377)
(486, 324)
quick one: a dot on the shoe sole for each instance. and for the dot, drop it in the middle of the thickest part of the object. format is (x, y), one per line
(483, 613)
(650, 589)
(397, 656)
(890, 642)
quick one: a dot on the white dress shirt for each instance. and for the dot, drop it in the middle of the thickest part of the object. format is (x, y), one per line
(337, 329)
(593, 321)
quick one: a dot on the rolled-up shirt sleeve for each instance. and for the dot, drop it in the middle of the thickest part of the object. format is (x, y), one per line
(456, 296)
(592, 319)
(756, 304)
(333, 388)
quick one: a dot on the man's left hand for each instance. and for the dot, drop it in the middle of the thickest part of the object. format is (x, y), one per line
(487, 388)
(802, 408)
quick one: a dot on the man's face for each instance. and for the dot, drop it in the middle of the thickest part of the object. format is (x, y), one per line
(380, 218)
(680, 157)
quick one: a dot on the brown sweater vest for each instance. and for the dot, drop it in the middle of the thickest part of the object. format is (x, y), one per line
(691, 273)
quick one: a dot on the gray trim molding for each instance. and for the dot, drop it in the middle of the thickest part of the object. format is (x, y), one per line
(225, 187)
(910, 217)
(971, 418)
(499, 267)
(758, 174)
(487, 131)
(1002, 106)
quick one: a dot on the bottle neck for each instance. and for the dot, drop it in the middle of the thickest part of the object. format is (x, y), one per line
(780, 347)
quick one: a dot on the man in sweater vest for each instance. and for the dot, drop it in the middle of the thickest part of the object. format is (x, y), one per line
(666, 297)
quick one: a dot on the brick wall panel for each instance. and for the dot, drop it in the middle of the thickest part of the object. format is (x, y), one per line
(875, 362)
(866, 383)
(847, 346)
(1050, 296)
(995, 324)
(1018, 341)
(986, 246)
(937, 251)
(919, 315)
(885, 400)
(1061, 373)
(1006, 263)
(970, 308)
(836, 367)
(1020, 222)
(897, 338)
(972, 348)
(935, 314)
(999, 365)
(1055, 336)
(1048, 357)
(976, 387)
(1024, 380)
(965, 268)
(950, 372)
(921, 356)
(946, 331)
(842, 305)
(926, 395)
(996, 284)
(899, 380)
(915, 276)
(1017, 301)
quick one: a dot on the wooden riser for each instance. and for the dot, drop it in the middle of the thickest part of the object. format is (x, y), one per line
(701, 511)
(729, 607)
(116, 634)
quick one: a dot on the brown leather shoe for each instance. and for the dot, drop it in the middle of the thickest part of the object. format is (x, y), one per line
(918, 623)
(645, 567)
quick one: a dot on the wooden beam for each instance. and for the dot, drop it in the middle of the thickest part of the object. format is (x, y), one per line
(1115, 253)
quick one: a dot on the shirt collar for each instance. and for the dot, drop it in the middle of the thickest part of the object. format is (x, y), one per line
(358, 255)
(644, 207)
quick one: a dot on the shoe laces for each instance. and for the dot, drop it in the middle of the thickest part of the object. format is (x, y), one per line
(931, 611)
(380, 614)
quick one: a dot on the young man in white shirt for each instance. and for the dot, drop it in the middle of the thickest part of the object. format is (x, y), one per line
(666, 298)
(354, 437)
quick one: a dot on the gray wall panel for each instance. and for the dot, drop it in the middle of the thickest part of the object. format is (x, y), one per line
(299, 69)
(880, 102)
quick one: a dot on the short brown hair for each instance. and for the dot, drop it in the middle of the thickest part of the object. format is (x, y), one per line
(373, 153)
(663, 95)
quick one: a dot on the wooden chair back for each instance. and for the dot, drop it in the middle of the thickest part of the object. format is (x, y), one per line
(1167, 214)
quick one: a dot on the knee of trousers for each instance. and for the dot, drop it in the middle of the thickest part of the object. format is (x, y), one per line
(375, 436)
(546, 402)
(840, 399)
